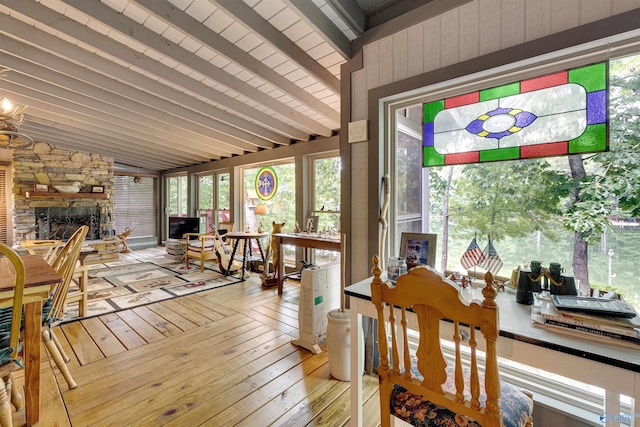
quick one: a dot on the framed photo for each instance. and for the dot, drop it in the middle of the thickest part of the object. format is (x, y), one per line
(311, 224)
(97, 188)
(40, 187)
(418, 249)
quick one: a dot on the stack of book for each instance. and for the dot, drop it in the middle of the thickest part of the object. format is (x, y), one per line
(588, 325)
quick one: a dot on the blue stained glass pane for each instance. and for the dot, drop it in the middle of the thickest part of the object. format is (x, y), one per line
(524, 119)
(475, 126)
(428, 134)
(596, 107)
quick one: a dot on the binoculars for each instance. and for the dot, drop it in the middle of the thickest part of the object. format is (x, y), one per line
(538, 279)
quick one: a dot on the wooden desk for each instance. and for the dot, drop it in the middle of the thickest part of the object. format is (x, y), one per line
(246, 238)
(615, 368)
(39, 276)
(304, 240)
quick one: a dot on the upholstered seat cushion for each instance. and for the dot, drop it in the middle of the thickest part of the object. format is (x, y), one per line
(517, 407)
(196, 245)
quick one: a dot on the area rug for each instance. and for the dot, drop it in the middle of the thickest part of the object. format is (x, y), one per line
(117, 286)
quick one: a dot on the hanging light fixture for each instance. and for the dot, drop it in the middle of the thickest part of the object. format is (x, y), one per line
(137, 179)
(11, 117)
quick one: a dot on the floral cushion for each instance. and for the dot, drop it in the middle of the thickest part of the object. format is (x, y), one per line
(517, 407)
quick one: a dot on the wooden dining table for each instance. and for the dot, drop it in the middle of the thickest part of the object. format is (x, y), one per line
(38, 278)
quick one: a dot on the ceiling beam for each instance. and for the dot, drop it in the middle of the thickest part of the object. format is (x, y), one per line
(315, 18)
(72, 29)
(163, 113)
(168, 99)
(131, 29)
(252, 20)
(350, 13)
(194, 28)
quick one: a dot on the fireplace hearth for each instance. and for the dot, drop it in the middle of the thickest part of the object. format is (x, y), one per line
(59, 223)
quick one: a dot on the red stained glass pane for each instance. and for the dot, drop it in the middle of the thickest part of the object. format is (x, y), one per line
(544, 82)
(457, 101)
(459, 158)
(543, 150)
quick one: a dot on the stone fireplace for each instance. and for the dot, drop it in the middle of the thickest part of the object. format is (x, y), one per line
(53, 215)
(59, 223)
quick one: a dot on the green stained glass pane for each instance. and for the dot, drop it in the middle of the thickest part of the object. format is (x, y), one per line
(500, 91)
(431, 109)
(592, 77)
(431, 158)
(594, 138)
(500, 154)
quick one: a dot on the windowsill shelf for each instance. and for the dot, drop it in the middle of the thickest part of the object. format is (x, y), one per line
(54, 195)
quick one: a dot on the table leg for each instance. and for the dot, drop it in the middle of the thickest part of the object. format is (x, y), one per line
(32, 330)
(357, 365)
(233, 254)
(280, 271)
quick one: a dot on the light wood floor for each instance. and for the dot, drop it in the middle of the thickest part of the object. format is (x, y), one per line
(221, 357)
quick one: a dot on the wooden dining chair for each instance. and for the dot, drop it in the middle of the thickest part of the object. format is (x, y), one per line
(201, 247)
(423, 388)
(10, 338)
(53, 309)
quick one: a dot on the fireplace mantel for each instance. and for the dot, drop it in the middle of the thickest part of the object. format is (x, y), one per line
(54, 195)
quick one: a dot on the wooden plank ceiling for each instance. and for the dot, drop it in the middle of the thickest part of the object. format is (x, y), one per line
(164, 84)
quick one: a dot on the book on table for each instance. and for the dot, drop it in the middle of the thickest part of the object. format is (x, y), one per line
(621, 329)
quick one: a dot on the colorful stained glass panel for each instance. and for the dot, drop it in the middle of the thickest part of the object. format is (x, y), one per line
(552, 115)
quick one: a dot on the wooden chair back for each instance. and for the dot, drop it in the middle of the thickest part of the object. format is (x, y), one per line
(225, 227)
(431, 297)
(65, 264)
(17, 274)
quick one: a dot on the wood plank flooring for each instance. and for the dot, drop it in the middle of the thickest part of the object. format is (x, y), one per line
(221, 357)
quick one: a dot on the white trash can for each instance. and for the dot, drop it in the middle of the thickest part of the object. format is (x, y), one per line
(339, 344)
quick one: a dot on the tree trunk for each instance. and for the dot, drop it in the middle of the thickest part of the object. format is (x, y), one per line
(445, 222)
(580, 248)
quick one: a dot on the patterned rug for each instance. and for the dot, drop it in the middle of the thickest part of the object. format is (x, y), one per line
(118, 286)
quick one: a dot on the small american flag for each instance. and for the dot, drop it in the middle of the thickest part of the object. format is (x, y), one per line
(472, 256)
(492, 262)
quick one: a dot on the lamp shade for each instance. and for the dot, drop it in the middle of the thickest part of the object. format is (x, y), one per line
(261, 209)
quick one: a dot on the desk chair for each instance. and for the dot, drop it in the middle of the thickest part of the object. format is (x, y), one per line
(9, 339)
(424, 390)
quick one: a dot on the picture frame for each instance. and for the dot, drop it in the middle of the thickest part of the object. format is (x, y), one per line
(418, 249)
(97, 188)
(40, 187)
(311, 224)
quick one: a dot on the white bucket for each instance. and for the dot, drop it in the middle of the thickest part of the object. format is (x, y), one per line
(339, 344)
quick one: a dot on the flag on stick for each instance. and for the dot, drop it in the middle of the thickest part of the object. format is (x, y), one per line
(472, 256)
(491, 262)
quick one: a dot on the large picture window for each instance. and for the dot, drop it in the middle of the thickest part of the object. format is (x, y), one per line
(574, 208)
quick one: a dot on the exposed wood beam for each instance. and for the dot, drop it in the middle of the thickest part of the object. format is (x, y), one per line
(68, 81)
(250, 19)
(177, 18)
(350, 13)
(159, 44)
(72, 29)
(40, 105)
(81, 104)
(70, 140)
(321, 23)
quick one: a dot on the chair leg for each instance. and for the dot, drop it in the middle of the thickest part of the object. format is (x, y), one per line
(54, 337)
(12, 390)
(55, 354)
(5, 407)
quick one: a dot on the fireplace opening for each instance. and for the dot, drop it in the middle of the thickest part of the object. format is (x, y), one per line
(59, 223)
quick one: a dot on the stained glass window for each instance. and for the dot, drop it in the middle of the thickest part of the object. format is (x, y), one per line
(558, 114)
